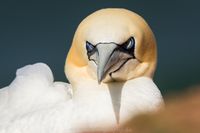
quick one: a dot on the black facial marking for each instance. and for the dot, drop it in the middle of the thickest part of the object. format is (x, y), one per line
(89, 46)
(91, 49)
(120, 66)
(128, 46)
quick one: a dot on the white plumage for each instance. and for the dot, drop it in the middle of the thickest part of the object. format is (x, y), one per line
(33, 102)
(31, 94)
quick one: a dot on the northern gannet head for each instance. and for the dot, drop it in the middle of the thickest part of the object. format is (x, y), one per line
(112, 45)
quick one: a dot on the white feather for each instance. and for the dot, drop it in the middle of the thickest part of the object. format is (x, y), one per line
(34, 103)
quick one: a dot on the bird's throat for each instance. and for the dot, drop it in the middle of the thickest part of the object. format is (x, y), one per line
(106, 97)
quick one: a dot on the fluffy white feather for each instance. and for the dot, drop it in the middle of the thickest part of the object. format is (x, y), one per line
(33, 103)
(32, 93)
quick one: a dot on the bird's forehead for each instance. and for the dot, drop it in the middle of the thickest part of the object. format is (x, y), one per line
(107, 32)
(108, 27)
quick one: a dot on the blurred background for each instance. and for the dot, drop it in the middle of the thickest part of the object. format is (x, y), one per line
(42, 31)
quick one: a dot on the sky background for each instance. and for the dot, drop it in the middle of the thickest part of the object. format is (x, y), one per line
(42, 31)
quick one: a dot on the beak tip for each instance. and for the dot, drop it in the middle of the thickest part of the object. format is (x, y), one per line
(99, 80)
(99, 76)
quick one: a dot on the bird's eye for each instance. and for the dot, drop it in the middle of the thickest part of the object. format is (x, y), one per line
(130, 44)
(89, 46)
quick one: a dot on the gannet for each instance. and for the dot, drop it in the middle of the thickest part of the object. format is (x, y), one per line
(110, 66)
(114, 53)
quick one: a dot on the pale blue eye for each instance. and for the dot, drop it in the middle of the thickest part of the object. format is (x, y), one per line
(89, 46)
(131, 43)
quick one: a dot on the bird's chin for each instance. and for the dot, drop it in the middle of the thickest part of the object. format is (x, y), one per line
(108, 79)
(114, 77)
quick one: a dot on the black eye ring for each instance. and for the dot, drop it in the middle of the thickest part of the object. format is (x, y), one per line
(130, 44)
(89, 47)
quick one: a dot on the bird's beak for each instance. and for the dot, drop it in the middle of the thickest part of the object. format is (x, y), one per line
(105, 59)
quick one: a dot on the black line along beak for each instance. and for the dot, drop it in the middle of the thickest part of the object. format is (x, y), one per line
(110, 55)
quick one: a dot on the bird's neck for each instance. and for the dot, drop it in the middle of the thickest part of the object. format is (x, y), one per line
(124, 99)
(89, 91)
